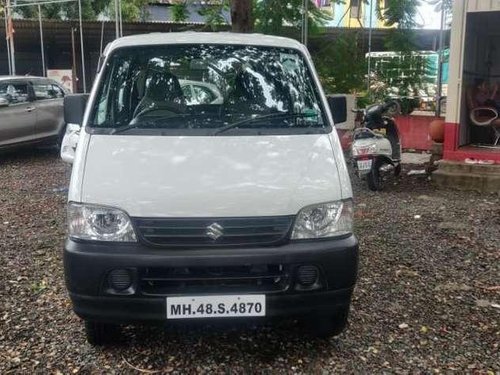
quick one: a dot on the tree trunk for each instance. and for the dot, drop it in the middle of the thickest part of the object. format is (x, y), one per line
(241, 16)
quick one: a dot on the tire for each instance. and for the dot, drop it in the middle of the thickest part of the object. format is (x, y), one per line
(397, 170)
(373, 178)
(99, 334)
(326, 326)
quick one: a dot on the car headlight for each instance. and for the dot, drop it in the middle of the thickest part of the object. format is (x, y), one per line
(364, 150)
(98, 223)
(324, 220)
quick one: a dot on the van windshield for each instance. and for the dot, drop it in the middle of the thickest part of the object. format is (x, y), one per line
(207, 89)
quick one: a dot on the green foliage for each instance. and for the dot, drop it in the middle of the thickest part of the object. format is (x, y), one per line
(90, 10)
(272, 16)
(213, 13)
(132, 10)
(180, 12)
(401, 13)
(341, 64)
(403, 75)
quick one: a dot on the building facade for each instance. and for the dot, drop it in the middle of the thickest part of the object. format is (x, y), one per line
(471, 149)
(474, 57)
(353, 13)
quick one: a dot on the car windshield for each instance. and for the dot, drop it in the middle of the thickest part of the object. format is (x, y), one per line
(214, 89)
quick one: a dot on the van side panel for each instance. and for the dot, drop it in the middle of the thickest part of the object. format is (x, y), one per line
(77, 173)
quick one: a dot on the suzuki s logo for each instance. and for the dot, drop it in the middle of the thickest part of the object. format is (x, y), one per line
(214, 231)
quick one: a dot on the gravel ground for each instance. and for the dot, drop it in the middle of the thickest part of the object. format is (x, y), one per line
(427, 298)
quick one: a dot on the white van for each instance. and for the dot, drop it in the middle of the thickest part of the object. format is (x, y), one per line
(202, 208)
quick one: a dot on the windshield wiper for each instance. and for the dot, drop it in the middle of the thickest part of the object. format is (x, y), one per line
(143, 124)
(248, 121)
(129, 126)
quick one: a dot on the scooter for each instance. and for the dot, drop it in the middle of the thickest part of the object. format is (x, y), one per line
(376, 146)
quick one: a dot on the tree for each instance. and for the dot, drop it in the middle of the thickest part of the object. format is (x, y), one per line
(241, 16)
(90, 10)
(340, 63)
(402, 75)
(180, 12)
(132, 10)
(272, 16)
(266, 16)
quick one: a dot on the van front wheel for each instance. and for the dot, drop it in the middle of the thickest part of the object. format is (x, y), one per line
(325, 326)
(101, 333)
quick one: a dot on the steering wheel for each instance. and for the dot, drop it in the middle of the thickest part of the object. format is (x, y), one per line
(174, 108)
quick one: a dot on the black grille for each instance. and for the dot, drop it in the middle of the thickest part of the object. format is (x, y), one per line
(266, 278)
(120, 279)
(192, 232)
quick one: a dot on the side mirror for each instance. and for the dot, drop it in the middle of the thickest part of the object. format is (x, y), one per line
(69, 143)
(338, 107)
(4, 102)
(74, 108)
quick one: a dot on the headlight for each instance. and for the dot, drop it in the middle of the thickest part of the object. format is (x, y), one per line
(364, 150)
(324, 220)
(91, 222)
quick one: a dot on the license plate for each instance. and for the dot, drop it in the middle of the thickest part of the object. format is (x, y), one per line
(364, 165)
(227, 306)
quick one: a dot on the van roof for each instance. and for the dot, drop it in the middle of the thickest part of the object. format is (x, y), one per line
(190, 37)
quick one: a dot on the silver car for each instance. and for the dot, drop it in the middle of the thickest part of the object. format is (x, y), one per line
(198, 92)
(31, 111)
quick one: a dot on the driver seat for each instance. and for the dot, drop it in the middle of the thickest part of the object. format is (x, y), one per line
(163, 93)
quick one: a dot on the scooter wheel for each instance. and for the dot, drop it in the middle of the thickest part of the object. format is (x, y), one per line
(397, 170)
(373, 178)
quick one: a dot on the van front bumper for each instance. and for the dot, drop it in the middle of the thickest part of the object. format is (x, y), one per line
(88, 266)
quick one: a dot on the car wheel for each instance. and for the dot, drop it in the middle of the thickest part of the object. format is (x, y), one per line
(325, 326)
(99, 334)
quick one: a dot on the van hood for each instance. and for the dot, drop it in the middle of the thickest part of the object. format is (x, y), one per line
(221, 176)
